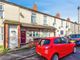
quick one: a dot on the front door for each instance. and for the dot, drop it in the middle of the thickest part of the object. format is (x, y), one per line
(13, 36)
(23, 37)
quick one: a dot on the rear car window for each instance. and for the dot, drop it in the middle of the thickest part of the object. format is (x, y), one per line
(60, 40)
(57, 41)
(44, 42)
(74, 36)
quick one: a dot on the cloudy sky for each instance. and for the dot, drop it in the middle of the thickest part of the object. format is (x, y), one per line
(67, 8)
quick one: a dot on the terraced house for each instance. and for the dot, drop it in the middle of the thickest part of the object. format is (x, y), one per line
(19, 24)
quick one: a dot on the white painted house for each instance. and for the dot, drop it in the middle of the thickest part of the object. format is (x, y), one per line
(19, 23)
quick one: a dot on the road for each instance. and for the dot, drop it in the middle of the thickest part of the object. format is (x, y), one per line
(30, 55)
(75, 56)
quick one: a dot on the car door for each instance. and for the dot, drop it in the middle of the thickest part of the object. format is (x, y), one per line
(67, 45)
(42, 44)
(59, 46)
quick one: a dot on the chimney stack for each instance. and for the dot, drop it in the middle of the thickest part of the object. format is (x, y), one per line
(35, 7)
(58, 15)
(68, 19)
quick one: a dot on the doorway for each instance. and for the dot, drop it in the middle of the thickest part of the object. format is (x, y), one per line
(13, 37)
(23, 37)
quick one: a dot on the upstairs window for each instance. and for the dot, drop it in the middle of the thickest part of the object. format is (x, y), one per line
(1, 11)
(1, 15)
(45, 20)
(61, 23)
(54, 21)
(66, 25)
(1, 7)
(33, 18)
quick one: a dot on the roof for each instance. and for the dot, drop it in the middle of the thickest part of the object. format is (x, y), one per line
(34, 10)
(51, 38)
(31, 9)
(38, 26)
(31, 25)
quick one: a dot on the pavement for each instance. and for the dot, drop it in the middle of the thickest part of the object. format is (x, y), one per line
(29, 54)
(17, 55)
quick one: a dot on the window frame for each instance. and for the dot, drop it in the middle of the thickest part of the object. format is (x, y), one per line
(57, 41)
(61, 23)
(33, 18)
(2, 33)
(60, 41)
(65, 40)
(1, 7)
(54, 23)
(44, 40)
(45, 20)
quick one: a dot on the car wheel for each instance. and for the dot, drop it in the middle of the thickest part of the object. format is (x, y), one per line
(74, 50)
(55, 57)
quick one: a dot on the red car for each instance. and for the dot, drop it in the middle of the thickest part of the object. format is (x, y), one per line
(54, 48)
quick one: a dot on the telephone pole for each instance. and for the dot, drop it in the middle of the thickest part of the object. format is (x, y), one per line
(78, 18)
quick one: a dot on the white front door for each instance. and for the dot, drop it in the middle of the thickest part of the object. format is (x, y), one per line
(13, 36)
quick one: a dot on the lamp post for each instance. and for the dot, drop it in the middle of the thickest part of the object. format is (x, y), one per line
(78, 17)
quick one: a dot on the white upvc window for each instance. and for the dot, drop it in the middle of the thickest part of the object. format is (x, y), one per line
(1, 33)
(61, 23)
(54, 23)
(1, 7)
(1, 11)
(1, 14)
(33, 18)
(45, 20)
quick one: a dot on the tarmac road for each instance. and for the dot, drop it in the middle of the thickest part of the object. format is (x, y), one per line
(18, 55)
(75, 56)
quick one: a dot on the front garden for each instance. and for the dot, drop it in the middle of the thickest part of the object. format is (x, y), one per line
(2, 50)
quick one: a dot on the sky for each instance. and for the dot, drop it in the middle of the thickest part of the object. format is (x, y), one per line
(66, 8)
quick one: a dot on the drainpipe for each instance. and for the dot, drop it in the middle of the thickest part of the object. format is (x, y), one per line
(19, 31)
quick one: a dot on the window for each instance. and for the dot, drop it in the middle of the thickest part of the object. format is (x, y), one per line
(1, 14)
(54, 21)
(45, 20)
(33, 18)
(1, 33)
(61, 23)
(60, 40)
(44, 42)
(74, 36)
(66, 25)
(57, 41)
(64, 40)
(61, 32)
(1, 8)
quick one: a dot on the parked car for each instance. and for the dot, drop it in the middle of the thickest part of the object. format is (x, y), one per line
(54, 48)
(36, 41)
(75, 38)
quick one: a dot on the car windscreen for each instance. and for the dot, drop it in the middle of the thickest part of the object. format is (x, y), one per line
(44, 42)
(75, 36)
